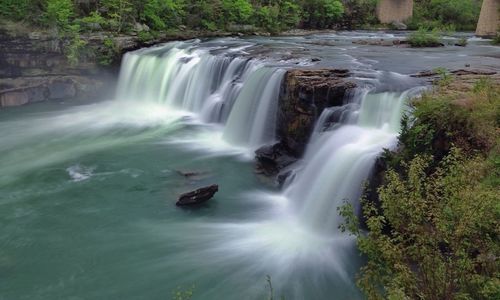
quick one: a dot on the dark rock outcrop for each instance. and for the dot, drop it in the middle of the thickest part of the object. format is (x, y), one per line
(305, 93)
(198, 196)
(271, 159)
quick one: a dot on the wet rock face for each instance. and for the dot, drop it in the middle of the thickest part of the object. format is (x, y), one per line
(303, 96)
(271, 159)
(33, 68)
(24, 90)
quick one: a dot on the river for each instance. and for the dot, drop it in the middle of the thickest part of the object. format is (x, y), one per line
(88, 189)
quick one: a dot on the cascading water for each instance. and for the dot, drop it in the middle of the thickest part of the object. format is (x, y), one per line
(88, 189)
(242, 94)
(218, 88)
(337, 162)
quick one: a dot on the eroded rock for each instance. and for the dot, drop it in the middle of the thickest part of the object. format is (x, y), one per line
(271, 159)
(305, 93)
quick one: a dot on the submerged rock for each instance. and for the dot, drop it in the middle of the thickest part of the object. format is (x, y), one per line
(198, 196)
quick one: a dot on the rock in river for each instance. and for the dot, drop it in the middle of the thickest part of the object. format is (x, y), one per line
(198, 196)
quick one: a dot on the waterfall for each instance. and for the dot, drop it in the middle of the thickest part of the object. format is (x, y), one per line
(252, 117)
(338, 161)
(219, 88)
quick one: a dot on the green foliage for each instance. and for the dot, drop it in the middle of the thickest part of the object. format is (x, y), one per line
(272, 15)
(161, 14)
(289, 14)
(268, 18)
(93, 22)
(496, 39)
(462, 14)
(108, 53)
(59, 14)
(424, 38)
(120, 13)
(74, 51)
(462, 42)
(322, 13)
(237, 11)
(15, 9)
(359, 13)
(434, 233)
(445, 77)
(442, 232)
(145, 36)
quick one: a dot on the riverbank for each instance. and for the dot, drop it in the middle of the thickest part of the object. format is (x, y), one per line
(35, 65)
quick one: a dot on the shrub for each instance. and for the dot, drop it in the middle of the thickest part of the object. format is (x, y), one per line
(424, 38)
(237, 11)
(59, 13)
(434, 233)
(496, 39)
(462, 42)
(75, 50)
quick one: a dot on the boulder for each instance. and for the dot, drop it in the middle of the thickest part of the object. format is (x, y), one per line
(304, 94)
(399, 25)
(271, 159)
(13, 98)
(198, 196)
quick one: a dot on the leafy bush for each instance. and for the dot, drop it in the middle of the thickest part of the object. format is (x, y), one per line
(322, 13)
(15, 9)
(434, 233)
(424, 38)
(496, 39)
(462, 42)
(59, 13)
(74, 51)
(237, 11)
(161, 14)
(267, 17)
(106, 55)
(93, 22)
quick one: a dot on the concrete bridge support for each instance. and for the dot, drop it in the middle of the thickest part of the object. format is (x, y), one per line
(389, 11)
(489, 20)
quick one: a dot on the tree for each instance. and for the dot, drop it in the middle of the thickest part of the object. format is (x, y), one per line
(237, 11)
(322, 13)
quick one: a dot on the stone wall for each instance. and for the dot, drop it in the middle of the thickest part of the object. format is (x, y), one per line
(489, 20)
(389, 11)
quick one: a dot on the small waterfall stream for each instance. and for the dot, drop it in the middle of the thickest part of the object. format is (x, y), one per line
(338, 161)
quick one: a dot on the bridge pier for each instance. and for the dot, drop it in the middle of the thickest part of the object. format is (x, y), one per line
(389, 11)
(489, 20)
